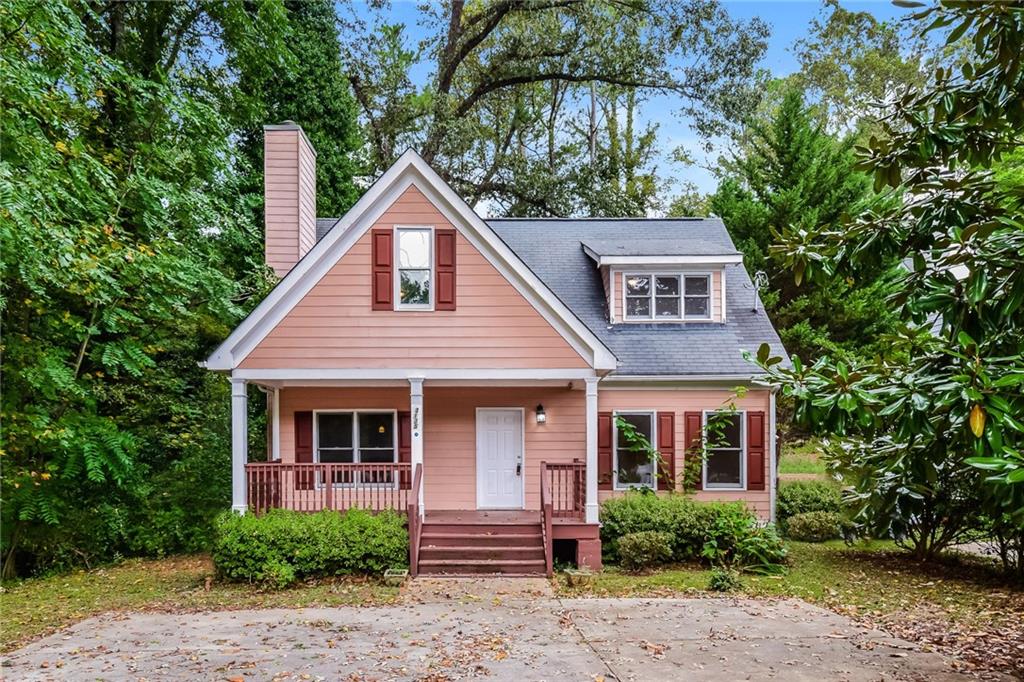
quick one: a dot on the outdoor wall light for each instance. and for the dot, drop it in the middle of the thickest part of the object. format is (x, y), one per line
(541, 416)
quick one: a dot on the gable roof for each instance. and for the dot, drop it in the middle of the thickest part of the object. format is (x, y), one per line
(553, 248)
(409, 169)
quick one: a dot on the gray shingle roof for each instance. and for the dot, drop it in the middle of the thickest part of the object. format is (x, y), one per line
(552, 249)
(659, 247)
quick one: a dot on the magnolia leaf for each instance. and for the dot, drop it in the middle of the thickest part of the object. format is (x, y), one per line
(977, 420)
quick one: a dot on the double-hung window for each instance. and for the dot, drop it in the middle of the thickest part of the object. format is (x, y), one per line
(357, 438)
(668, 297)
(415, 273)
(634, 467)
(725, 462)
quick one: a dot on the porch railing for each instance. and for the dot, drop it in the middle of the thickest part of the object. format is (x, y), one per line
(414, 515)
(568, 484)
(546, 513)
(314, 487)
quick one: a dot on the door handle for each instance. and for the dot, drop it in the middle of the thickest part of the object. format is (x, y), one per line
(519, 469)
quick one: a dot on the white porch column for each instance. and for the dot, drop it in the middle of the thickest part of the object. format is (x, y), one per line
(592, 506)
(416, 414)
(239, 444)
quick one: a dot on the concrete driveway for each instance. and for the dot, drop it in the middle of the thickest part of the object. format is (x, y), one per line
(500, 635)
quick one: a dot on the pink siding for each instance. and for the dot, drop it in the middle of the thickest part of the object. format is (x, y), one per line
(449, 436)
(289, 168)
(493, 326)
(679, 402)
(449, 422)
(716, 294)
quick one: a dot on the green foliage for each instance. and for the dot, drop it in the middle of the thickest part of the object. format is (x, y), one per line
(790, 174)
(930, 438)
(116, 186)
(801, 497)
(535, 107)
(282, 546)
(644, 549)
(718, 532)
(815, 526)
(311, 88)
(724, 580)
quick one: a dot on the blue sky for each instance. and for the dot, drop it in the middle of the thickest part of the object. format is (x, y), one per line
(789, 20)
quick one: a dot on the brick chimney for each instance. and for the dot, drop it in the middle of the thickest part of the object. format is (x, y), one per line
(289, 195)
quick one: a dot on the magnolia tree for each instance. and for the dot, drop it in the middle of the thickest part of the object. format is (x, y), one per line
(929, 435)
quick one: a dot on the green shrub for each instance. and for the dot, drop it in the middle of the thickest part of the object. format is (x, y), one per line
(721, 533)
(644, 549)
(724, 580)
(800, 497)
(282, 546)
(815, 526)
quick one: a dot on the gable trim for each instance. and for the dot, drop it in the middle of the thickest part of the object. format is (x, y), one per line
(410, 170)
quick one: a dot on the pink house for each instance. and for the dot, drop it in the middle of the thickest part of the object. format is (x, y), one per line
(474, 373)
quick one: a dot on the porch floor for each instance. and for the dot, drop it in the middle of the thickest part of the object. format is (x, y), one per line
(494, 517)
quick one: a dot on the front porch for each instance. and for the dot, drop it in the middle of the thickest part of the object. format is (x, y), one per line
(463, 462)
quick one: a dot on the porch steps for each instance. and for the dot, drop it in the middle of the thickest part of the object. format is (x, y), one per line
(481, 548)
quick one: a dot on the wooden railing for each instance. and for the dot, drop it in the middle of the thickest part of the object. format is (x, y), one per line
(314, 487)
(546, 511)
(415, 521)
(568, 489)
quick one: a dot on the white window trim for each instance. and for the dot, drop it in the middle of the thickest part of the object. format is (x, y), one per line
(355, 434)
(615, 448)
(742, 453)
(682, 275)
(397, 274)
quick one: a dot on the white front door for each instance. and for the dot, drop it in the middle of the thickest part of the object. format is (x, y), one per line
(499, 459)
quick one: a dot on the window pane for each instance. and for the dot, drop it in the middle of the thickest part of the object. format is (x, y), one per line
(335, 430)
(723, 467)
(666, 286)
(376, 456)
(635, 468)
(336, 455)
(638, 307)
(666, 307)
(641, 422)
(415, 286)
(730, 436)
(376, 431)
(697, 286)
(414, 248)
(636, 286)
(696, 307)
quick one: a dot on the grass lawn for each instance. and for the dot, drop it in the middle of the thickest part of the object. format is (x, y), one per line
(34, 607)
(960, 607)
(801, 460)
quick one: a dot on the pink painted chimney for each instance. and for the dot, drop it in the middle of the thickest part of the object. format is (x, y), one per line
(289, 195)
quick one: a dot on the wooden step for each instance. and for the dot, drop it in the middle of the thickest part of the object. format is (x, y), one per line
(432, 539)
(472, 553)
(482, 528)
(482, 566)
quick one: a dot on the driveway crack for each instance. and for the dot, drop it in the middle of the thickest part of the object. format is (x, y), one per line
(583, 638)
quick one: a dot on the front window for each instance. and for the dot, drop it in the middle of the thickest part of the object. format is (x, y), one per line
(415, 267)
(724, 464)
(668, 297)
(357, 438)
(634, 465)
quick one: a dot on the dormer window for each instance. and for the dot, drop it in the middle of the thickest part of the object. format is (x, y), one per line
(652, 296)
(414, 275)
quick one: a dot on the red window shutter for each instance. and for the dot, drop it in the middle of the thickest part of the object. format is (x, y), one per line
(383, 254)
(604, 450)
(693, 437)
(667, 447)
(405, 444)
(444, 250)
(304, 448)
(755, 450)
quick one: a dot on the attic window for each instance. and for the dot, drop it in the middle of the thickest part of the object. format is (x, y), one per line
(415, 268)
(667, 296)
